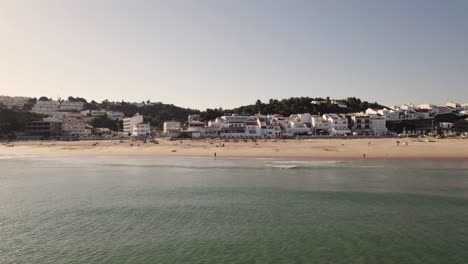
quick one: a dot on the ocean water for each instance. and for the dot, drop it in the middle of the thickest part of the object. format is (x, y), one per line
(201, 210)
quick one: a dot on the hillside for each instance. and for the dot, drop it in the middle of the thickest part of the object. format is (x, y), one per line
(295, 105)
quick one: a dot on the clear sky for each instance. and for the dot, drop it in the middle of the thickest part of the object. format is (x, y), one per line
(226, 53)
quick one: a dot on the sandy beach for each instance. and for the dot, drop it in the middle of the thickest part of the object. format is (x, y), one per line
(305, 148)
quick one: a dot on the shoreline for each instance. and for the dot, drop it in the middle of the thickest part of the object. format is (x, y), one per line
(325, 149)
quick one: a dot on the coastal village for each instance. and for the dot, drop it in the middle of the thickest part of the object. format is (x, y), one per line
(69, 120)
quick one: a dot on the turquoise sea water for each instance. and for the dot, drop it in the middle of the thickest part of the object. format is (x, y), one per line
(201, 210)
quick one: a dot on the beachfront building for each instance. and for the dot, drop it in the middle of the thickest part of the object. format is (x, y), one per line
(129, 122)
(306, 118)
(337, 124)
(134, 126)
(296, 128)
(73, 125)
(361, 124)
(141, 129)
(171, 127)
(194, 124)
(378, 125)
(277, 120)
(253, 129)
(47, 127)
(319, 125)
(13, 101)
(46, 107)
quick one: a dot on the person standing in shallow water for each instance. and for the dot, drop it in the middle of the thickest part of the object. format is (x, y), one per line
(215, 155)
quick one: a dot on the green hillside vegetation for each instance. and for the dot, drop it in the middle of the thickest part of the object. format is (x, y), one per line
(12, 120)
(157, 113)
(295, 105)
(154, 113)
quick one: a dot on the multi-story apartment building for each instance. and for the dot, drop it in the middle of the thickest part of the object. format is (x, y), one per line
(172, 127)
(134, 126)
(361, 124)
(46, 107)
(67, 106)
(319, 125)
(378, 125)
(73, 125)
(141, 129)
(47, 127)
(337, 124)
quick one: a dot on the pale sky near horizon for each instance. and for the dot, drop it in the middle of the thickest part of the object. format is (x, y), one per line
(227, 53)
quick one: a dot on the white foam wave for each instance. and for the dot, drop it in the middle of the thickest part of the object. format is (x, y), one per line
(4, 157)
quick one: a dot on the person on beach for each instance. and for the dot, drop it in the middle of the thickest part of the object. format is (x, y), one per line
(364, 155)
(215, 155)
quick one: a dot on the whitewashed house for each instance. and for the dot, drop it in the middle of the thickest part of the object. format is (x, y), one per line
(297, 128)
(338, 125)
(319, 125)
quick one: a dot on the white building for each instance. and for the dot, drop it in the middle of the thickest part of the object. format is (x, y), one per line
(426, 106)
(277, 120)
(319, 125)
(192, 118)
(423, 113)
(295, 128)
(235, 119)
(378, 125)
(172, 126)
(135, 126)
(46, 107)
(445, 125)
(13, 101)
(67, 106)
(196, 126)
(408, 107)
(306, 118)
(73, 125)
(114, 115)
(141, 129)
(338, 125)
(361, 124)
(389, 114)
(453, 105)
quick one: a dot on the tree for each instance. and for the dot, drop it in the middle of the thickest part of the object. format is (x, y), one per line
(77, 99)
(43, 98)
